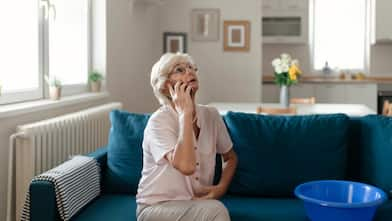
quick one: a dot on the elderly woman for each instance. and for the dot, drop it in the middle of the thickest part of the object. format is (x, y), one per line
(180, 142)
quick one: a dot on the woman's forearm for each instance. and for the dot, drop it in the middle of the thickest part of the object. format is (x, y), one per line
(184, 157)
(230, 164)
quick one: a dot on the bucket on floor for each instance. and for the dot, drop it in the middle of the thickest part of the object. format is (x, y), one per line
(339, 200)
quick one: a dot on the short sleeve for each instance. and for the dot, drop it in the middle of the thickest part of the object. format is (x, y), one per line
(223, 143)
(161, 137)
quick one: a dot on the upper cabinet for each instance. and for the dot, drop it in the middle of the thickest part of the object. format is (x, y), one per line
(271, 5)
(149, 2)
(285, 21)
(381, 21)
(295, 4)
(279, 5)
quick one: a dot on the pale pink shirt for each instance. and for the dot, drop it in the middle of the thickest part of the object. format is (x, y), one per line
(160, 181)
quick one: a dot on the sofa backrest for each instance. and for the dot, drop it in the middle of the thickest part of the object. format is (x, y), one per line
(370, 151)
(125, 153)
(276, 153)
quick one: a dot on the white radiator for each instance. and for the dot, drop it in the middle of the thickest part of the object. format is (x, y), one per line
(40, 146)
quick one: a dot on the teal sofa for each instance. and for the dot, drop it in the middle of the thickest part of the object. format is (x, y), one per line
(275, 154)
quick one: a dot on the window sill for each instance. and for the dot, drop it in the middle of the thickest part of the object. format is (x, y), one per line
(28, 107)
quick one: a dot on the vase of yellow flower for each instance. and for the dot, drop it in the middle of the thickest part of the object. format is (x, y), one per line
(284, 96)
(286, 74)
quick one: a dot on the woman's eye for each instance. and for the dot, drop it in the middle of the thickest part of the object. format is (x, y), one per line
(180, 70)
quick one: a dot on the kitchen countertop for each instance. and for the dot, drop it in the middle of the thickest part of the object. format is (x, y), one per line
(269, 79)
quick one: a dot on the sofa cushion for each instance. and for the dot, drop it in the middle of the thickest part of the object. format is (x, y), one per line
(384, 212)
(110, 207)
(271, 209)
(125, 153)
(370, 151)
(276, 153)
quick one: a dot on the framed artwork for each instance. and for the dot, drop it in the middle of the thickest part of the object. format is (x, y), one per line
(174, 42)
(236, 35)
(205, 24)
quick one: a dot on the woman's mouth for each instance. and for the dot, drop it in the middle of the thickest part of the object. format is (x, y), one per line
(193, 81)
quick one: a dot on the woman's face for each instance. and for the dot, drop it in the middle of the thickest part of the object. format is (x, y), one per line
(184, 73)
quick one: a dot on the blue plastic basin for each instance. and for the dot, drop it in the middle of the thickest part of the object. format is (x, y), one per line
(337, 200)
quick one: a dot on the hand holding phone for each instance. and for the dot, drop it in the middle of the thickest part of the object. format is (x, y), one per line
(180, 94)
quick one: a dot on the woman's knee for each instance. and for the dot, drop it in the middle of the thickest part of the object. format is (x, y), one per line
(223, 215)
(218, 211)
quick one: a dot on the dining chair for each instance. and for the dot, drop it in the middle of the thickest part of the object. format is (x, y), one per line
(308, 100)
(387, 108)
(276, 111)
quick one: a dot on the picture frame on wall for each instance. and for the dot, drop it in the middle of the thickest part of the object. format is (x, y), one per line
(205, 24)
(236, 35)
(174, 42)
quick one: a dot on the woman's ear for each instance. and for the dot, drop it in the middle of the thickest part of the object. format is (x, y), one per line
(165, 89)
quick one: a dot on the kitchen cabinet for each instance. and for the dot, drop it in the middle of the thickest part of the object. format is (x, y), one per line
(295, 4)
(337, 93)
(284, 5)
(362, 94)
(330, 93)
(271, 5)
(270, 93)
(381, 21)
(302, 91)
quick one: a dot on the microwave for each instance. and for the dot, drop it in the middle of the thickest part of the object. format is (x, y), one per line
(285, 28)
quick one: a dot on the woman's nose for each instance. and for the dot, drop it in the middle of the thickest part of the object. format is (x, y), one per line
(189, 71)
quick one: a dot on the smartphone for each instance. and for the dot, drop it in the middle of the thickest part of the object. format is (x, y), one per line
(172, 83)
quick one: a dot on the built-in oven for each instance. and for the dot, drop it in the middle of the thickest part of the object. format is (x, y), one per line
(382, 96)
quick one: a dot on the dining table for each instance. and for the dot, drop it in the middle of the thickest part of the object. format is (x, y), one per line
(352, 110)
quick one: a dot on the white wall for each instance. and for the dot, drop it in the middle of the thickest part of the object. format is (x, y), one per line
(132, 38)
(380, 60)
(224, 76)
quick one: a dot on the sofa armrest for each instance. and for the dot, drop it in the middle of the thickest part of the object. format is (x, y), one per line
(101, 156)
(43, 205)
(43, 202)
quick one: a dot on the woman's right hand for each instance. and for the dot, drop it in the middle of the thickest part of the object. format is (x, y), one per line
(181, 97)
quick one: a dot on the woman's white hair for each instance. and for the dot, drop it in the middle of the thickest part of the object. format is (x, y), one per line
(161, 70)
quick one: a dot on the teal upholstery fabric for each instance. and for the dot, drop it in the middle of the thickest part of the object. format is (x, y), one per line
(110, 207)
(276, 153)
(370, 152)
(384, 212)
(43, 205)
(100, 155)
(271, 209)
(125, 153)
(123, 208)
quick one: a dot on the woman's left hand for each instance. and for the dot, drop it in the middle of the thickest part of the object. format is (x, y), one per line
(210, 192)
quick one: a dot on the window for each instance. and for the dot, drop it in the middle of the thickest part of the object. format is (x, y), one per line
(49, 37)
(20, 52)
(340, 34)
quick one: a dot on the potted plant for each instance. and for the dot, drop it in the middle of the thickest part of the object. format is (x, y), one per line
(54, 87)
(94, 79)
(286, 74)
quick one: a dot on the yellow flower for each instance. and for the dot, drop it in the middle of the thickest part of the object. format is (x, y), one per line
(292, 76)
(293, 72)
